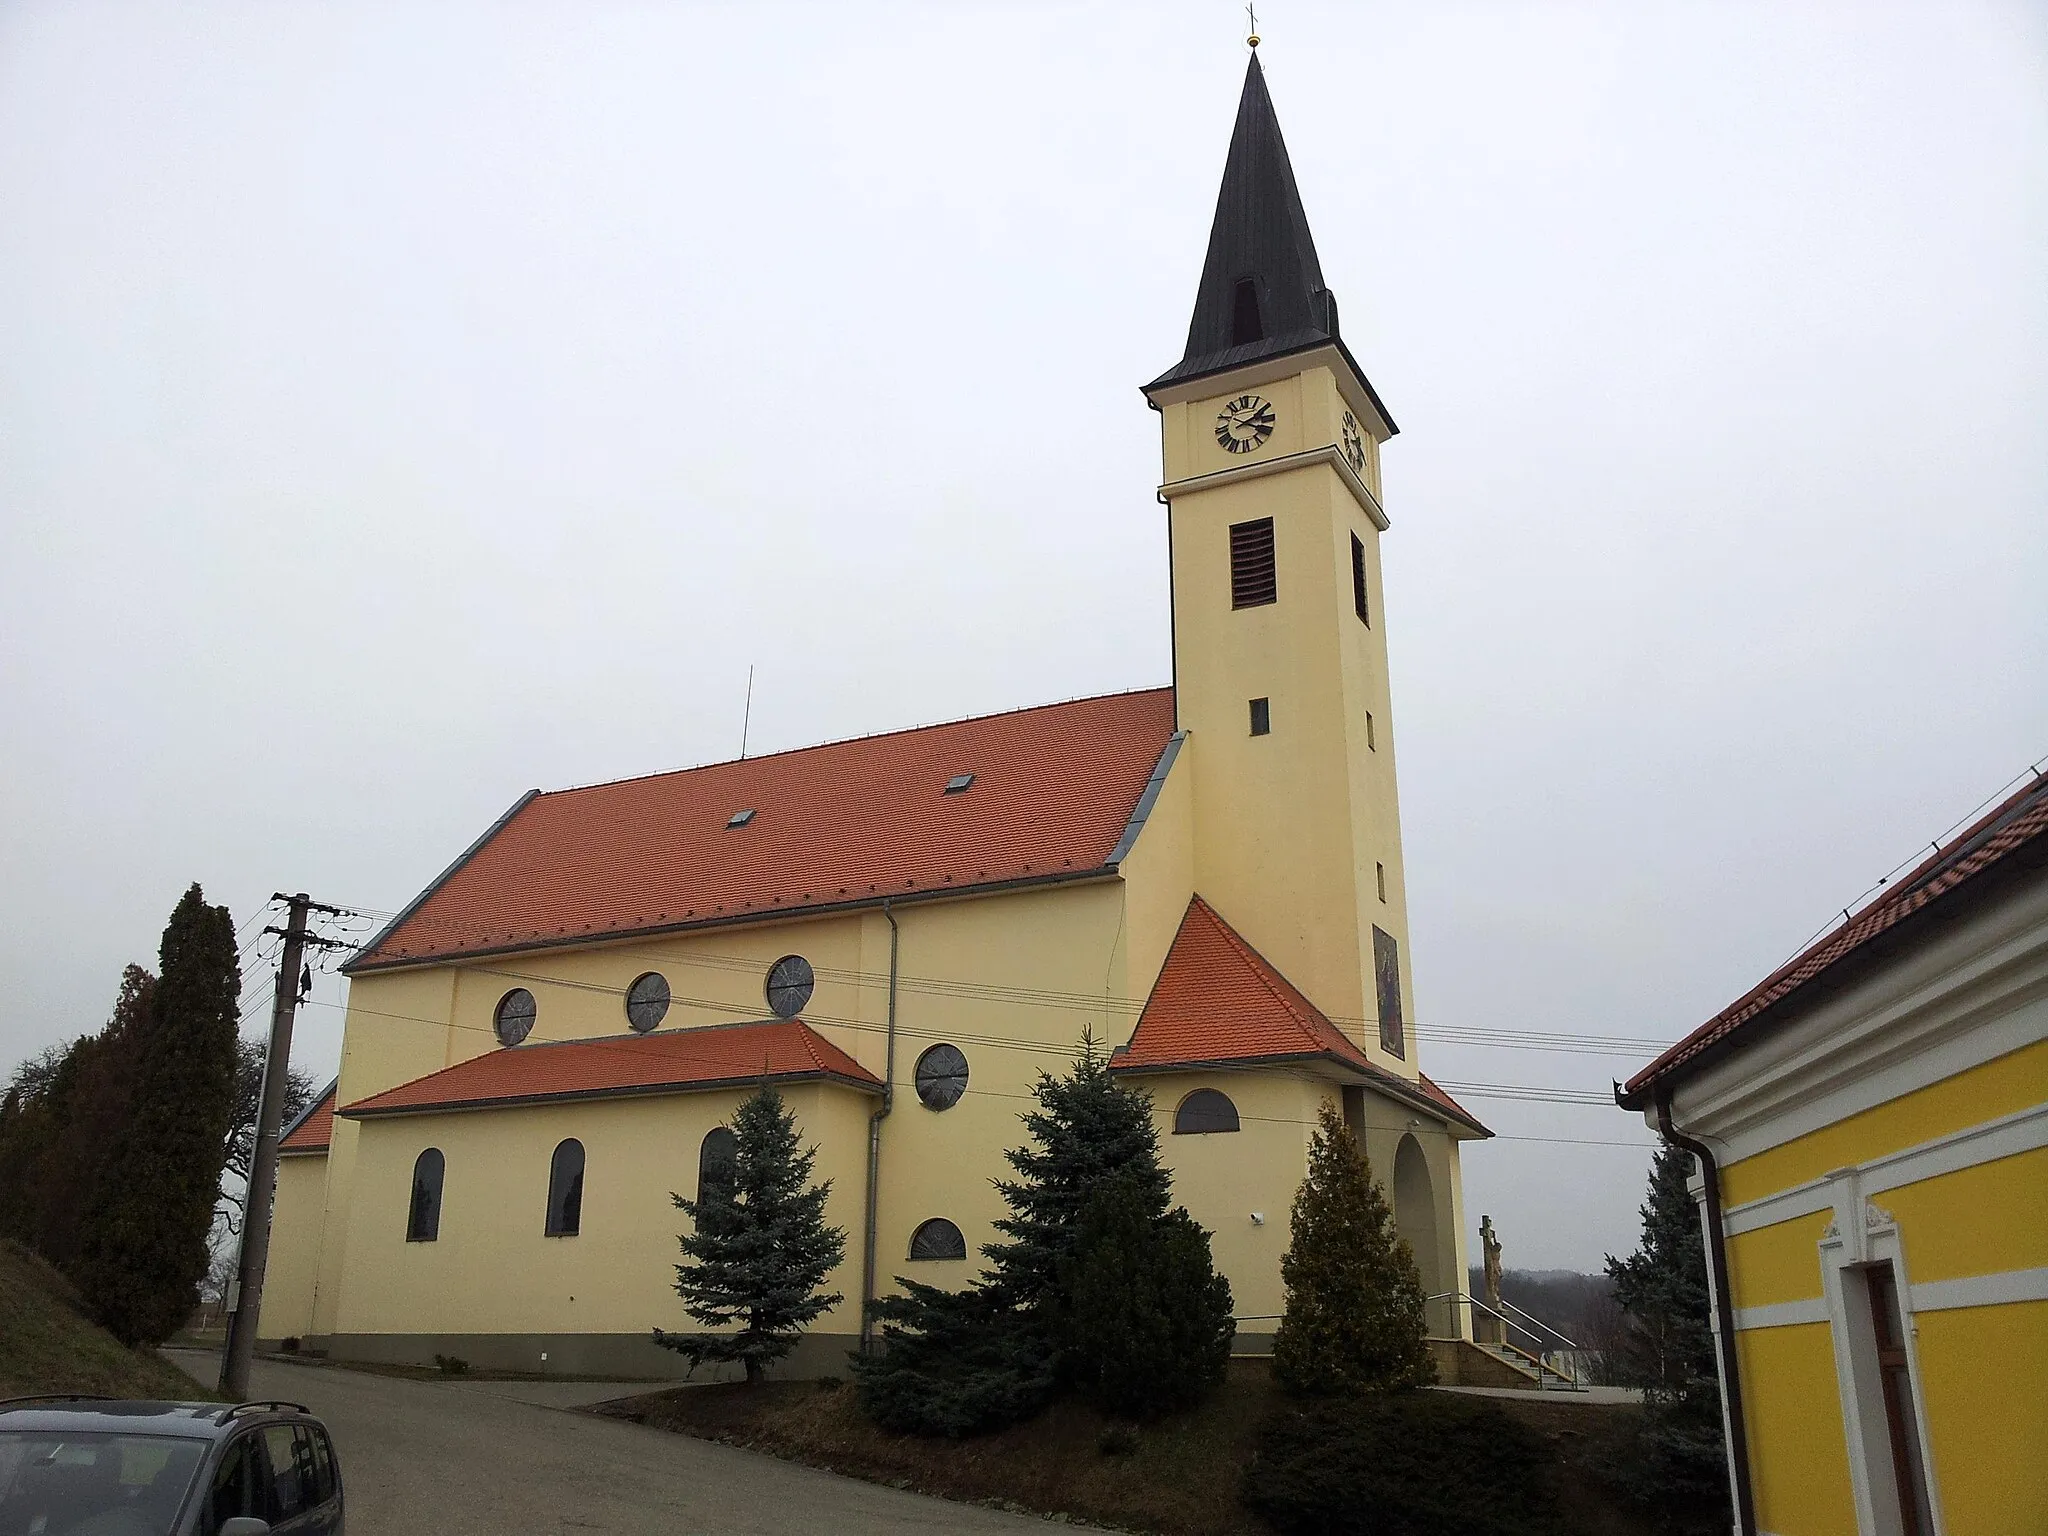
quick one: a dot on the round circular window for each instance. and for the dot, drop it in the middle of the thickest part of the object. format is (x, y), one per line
(647, 1002)
(941, 1077)
(790, 984)
(514, 1019)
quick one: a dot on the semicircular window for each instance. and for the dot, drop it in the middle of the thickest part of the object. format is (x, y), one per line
(647, 1002)
(716, 1159)
(514, 1018)
(937, 1239)
(941, 1077)
(790, 984)
(1203, 1113)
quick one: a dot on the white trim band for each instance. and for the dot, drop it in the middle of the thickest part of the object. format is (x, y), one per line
(1994, 1290)
(1329, 454)
(1782, 1314)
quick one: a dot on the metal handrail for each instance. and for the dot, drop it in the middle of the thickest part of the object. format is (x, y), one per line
(1460, 1297)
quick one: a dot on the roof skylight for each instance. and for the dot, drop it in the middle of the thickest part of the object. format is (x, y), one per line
(958, 782)
(739, 819)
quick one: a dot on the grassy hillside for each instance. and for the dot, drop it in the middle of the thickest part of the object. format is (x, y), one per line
(49, 1344)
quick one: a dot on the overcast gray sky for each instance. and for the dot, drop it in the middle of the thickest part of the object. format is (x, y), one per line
(403, 405)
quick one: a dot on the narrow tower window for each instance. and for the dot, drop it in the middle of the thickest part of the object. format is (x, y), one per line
(1262, 717)
(1244, 313)
(1358, 582)
(1381, 871)
(1252, 576)
(1371, 744)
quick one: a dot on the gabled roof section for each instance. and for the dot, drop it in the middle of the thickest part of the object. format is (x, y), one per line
(1220, 1003)
(1260, 234)
(314, 1128)
(619, 1066)
(840, 825)
(2011, 837)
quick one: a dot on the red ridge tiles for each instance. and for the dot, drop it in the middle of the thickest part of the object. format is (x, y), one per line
(1219, 1001)
(846, 822)
(2018, 820)
(314, 1130)
(669, 1061)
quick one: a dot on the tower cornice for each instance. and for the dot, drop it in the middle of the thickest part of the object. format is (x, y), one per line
(1329, 454)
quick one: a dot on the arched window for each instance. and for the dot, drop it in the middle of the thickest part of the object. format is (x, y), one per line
(423, 1216)
(1203, 1113)
(715, 1160)
(937, 1239)
(565, 1190)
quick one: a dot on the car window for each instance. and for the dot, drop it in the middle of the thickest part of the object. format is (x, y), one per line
(93, 1483)
(321, 1458)
(238, 1486)
(289, 1472)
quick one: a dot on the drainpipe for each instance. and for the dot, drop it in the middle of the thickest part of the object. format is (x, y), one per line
(867, 1272)
(1724, 1317)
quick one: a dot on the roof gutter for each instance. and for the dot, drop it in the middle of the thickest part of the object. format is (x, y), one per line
(1724, 1318)
(867, 1272)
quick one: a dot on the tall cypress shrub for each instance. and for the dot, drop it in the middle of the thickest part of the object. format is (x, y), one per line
(143, 1248)
(1354, 1314)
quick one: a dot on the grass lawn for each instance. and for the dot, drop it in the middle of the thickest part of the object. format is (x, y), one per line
(48, 1343)
(1180, 1478)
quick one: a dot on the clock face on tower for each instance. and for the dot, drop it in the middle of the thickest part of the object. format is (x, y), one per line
(1354, 444)
(1244, 424)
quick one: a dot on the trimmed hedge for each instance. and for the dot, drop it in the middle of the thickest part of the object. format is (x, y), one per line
(1402, 1464)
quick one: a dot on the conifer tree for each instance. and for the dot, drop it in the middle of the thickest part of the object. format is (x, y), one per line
(1353, 1319)
(759, 1250)
(958, 1363)
(144, 1243)
(1141, 1320)
(1662, 1287)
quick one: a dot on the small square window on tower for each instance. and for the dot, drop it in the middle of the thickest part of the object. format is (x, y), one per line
(1358, 599)
(1252, 577)
(1262, 717)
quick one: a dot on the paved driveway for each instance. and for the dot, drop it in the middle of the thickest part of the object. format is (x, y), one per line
(484, 1459)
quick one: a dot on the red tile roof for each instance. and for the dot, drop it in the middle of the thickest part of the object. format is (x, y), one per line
(2019, 822)
(314, 1129)
(851, 822)
(669, 1061)
(1219, 1002)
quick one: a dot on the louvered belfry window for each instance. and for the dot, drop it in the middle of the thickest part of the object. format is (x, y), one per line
(1252, 580)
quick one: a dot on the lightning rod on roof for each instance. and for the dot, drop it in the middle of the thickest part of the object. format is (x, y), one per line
(747, 715)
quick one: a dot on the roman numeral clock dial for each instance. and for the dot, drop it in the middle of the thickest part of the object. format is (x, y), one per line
(1244, 424)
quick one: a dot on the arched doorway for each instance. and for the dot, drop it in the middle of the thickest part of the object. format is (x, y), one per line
(1415, 1218)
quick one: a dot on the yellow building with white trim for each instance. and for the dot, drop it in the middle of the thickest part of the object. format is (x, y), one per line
(1874, 1124)
(903, 931)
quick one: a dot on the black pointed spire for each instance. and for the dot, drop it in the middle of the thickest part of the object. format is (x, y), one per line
(1262, 292)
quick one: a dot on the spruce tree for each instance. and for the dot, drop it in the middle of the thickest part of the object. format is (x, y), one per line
(1662, 1287)
(957, 1363)
(1353, 1318)
(144, 1243)
(759, 1250)
(1141, 1321)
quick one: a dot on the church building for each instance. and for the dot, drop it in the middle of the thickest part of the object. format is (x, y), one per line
(901, 932)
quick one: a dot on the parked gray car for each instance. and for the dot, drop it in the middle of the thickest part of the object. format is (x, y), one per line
(85, 1466)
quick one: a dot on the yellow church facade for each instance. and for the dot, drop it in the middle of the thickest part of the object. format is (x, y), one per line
(1872, 1121)
(902, 932)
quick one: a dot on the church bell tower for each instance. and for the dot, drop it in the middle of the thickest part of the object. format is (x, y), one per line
(1271, 449)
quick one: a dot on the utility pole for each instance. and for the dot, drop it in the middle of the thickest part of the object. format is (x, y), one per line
(258, 1198)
